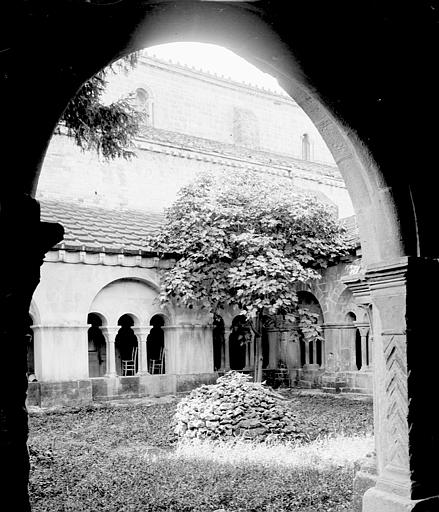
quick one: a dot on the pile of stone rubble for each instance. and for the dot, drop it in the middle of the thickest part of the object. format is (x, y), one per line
(235, 407)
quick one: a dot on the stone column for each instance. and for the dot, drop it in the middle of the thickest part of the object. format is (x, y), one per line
(323, 345)
(110, 335)
(223, 353)
(306, 345)
(19, 224)
(273, 348)
(364, 329)
(142, 357)
(406, 431)
(227, 333)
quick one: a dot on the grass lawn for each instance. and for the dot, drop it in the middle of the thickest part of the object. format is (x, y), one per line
(125, 458)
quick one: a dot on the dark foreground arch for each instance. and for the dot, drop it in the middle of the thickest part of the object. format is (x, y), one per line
(364, 73)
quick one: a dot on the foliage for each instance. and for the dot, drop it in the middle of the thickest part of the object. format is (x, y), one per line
(308, 328)
(122, 458)
(107, 129)
(245, 240)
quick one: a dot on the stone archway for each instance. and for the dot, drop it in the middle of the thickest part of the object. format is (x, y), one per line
(393, 238)
(125, 343)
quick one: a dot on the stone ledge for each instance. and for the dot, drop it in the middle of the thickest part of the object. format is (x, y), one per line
(85, 391)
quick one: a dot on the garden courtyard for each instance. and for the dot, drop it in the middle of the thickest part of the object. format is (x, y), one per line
(124, 456)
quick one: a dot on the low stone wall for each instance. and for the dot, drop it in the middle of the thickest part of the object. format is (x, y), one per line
(80, 392)
(68, 393)
(189, 382)
(309, 378)
(348, 382)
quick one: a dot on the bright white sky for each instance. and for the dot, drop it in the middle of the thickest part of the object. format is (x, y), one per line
(214, 59)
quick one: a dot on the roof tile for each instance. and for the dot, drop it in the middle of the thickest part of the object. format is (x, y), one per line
(114, 230)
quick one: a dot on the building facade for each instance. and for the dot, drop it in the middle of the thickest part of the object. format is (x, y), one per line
(96, 330)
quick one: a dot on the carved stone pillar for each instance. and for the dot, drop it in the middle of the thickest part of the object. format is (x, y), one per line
(110, 334)
(404, 296)
(20, 229)
(142, 357)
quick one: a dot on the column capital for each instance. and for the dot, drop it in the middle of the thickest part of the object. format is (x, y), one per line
(111, 331)
(387, 274)
(142, 330)
(359, 287)
(395, 272)
(363, 327)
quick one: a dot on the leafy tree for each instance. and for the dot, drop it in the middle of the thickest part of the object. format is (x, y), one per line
(246, 240)
(107, 129)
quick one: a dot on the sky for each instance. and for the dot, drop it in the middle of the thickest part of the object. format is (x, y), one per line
(215, 59)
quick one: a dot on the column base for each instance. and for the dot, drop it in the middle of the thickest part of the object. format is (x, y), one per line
(376, 500)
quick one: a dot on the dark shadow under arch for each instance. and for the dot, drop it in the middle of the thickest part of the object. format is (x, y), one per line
(97, 346)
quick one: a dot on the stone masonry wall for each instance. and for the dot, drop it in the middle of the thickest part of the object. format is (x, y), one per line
(196, 103)
(150, 181)
(195, 118)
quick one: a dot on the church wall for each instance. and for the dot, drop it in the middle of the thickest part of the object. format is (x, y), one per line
(194, 126)
(203, 105)
(150, 181)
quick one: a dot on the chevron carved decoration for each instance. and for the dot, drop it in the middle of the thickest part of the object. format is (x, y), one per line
(396, 399)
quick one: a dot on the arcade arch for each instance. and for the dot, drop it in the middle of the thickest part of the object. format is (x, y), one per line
(126, 342)
(126, 295)
(311, 353)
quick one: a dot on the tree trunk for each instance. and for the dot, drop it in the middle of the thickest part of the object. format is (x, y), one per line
(257, 340)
